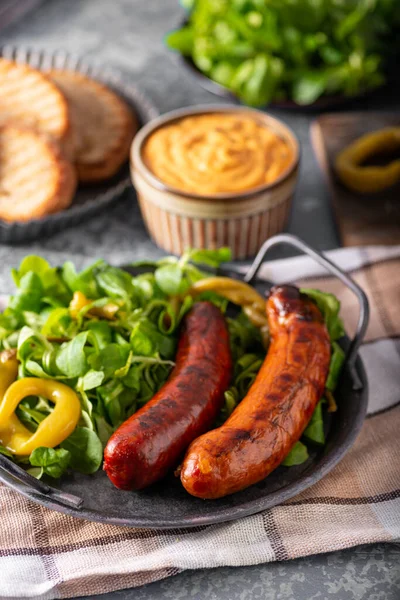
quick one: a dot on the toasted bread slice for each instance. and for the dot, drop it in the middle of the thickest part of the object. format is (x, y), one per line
(29, 98)
(35, 178)
(102, 123)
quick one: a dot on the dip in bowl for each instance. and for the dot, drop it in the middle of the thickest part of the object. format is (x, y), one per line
(215, 176)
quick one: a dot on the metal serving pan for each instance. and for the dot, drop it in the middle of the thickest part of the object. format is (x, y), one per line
(167, 504)
(89, 200)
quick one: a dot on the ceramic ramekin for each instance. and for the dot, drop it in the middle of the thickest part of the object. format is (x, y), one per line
(243, 221)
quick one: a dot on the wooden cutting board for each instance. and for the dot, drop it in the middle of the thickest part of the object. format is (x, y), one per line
(361, 219)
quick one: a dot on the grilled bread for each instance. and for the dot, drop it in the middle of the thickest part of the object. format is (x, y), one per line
(35, 178)
(29, 98)
(103, 126)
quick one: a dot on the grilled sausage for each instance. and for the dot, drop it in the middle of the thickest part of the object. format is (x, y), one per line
(153, 440)
(271, 418)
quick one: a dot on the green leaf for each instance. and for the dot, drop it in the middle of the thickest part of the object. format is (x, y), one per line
(101, 332)
(123, 371)
(71, 359)
(85, 281)
(33, 320)
(104, 429)
(87, 405)
(167, 320)
(53, 462)
(35, 369)
(27, 340)
(111, 395)
(36, 472)
(55, 292)
(212, 258)
(329, 306)
(146, 288)
(186, 305)
(145, 339)
(85, 449)
(6, 452)
(109, 359)
(49, 362)
(133, 378)
(56, 322)
(29, 294)
(231, 400)
(34, 263)
(30, 343)
(91, 380)
(169, 278)
(140, 342)
(86, 421)
(308, 87)
(352, 20)
(33, 415)
(223, 73)
(297, 455)
(314, 431)
(244, 337)
(181, 40)
(337, 359)
(115, 283)
(259, 88)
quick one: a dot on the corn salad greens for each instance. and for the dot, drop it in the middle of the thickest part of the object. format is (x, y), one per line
(272, 50)
(112, 337)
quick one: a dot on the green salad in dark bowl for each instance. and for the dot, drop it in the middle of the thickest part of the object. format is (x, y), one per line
(289, 52)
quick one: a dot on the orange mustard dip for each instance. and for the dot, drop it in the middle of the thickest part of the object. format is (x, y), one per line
(216, 153)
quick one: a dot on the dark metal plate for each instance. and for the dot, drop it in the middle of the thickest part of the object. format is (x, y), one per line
(168, 505)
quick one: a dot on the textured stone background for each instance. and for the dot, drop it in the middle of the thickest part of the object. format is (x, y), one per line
(127, 34)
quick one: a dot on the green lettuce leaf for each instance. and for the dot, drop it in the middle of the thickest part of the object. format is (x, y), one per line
(53, 462)
(71, 359)
(297, 455)
(329, 306)
(85, 450)
(314, 431)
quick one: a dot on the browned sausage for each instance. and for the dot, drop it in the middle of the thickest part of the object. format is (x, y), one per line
(271, 418)
(152, 441)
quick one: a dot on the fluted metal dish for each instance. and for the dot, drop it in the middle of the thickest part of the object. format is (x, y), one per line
(89, 199)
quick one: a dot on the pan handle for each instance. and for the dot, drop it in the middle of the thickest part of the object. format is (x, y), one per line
(17, 477)
(291, 240)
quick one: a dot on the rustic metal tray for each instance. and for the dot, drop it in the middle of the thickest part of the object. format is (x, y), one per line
(167, 504)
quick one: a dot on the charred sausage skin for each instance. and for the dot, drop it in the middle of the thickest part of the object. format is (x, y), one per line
(153, 440)
(271, 418)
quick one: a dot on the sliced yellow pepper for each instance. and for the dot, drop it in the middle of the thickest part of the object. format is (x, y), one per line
(241, 293)
(8, 370)
(54, 429)
(369, 179)
(79, 301)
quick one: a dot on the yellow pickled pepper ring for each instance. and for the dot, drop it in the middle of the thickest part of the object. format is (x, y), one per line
(54, 429)
(369, 179)
(241, 293)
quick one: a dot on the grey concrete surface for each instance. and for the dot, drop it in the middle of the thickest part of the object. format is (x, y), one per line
(128, 35)
(364, 573)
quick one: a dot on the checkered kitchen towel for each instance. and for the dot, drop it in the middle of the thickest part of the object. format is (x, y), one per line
(47, 555)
